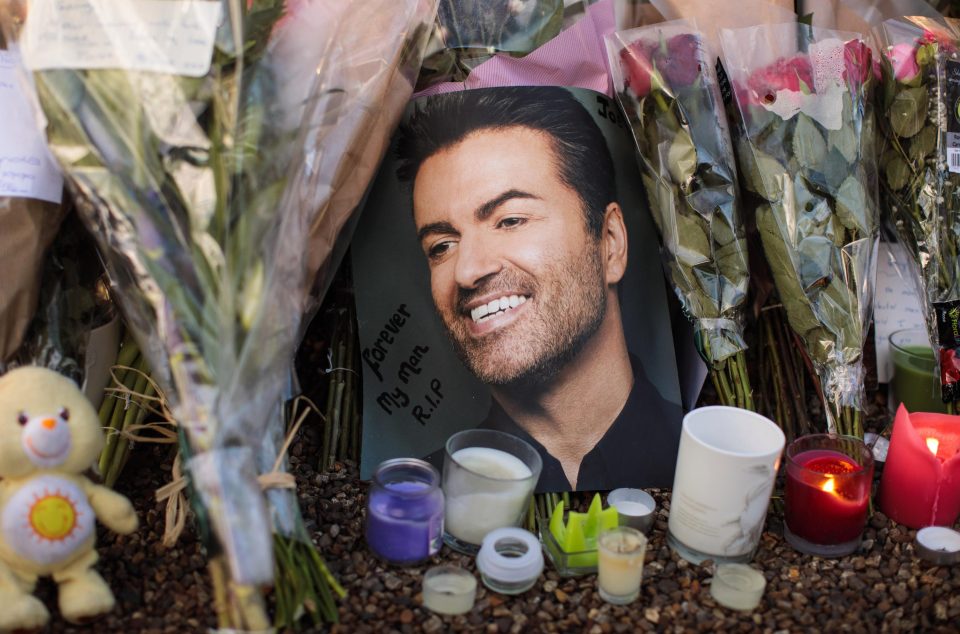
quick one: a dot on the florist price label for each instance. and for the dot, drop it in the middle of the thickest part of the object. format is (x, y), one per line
(164, 36)
(26, 168)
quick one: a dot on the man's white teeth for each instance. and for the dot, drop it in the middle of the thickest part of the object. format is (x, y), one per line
(495, 307)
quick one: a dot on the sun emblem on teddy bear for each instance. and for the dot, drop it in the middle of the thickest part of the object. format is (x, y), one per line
(53, 516)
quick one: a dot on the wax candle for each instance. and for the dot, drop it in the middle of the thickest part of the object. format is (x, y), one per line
(405, 511)
(827, 493)
(620, 564)
(449, 590)
(635, 508)
(921, 479)
(488, 478)
(473, 514)
(915, 382)
(726, 468)
(939, 545)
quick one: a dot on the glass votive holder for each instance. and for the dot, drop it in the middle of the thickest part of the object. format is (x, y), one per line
(510, 560)
(827, 493)
(915, 382)
(620, 554)
(449, 590)
(635, 508)
(488, 478)
(939, 545)
(405, 511)
(737, 586)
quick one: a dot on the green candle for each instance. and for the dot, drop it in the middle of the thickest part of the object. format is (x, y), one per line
(915, 383)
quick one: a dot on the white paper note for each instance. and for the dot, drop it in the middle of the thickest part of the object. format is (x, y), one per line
(26, 168)
(896, 305)
(164, 36)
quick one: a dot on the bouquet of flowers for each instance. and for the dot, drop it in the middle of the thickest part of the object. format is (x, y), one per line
(202, 141)
(666, 83)
(920, 170)
(806, 148)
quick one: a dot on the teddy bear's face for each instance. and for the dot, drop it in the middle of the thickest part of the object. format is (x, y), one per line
(45, 423)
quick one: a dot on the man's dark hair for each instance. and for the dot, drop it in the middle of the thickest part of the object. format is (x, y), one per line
(583, 158)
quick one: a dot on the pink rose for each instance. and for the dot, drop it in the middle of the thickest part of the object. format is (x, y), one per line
(635, 62)
(856, 61)
(784, 74)
(903, 58)
(681, 63)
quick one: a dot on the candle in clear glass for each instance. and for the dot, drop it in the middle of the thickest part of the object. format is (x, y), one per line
(620, 554)
(827, 492)
(405, 511)
(449, 590)
(488, 478)
(915, 382)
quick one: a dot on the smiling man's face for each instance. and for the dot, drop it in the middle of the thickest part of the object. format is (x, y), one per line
(516, 278)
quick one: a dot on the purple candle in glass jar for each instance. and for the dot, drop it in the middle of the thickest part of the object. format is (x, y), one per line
(405, 511)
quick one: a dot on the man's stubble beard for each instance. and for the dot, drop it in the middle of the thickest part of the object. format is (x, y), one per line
(532, 351)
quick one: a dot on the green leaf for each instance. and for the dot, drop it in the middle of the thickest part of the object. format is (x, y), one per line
(808, 145)
(785, 272)
(816, 262)
(923, 144)
(852, 206)
(908, 112)
(762, 174)
(898, 173)
(682, 159)
(844, 141)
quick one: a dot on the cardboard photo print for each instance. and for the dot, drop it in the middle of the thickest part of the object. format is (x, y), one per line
(508, 277)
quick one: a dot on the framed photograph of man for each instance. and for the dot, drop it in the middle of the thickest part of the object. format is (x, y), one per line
(508, 276)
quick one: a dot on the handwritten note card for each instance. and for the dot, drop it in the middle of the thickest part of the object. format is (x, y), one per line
(896, 305)
(26, 168)
(164, 36)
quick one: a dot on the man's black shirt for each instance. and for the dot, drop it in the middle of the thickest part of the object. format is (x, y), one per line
(638, 450)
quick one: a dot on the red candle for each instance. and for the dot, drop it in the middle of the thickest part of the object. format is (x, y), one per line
(921, 479)
(826, 496)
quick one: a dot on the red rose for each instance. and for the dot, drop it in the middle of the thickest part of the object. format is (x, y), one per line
(681, 65)
(856, 61)
(784, 74)
(635, 62)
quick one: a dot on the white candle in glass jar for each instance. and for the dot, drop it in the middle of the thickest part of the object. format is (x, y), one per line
(489, 491)
(620, 555)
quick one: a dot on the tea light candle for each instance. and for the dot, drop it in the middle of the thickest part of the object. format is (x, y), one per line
(620, 554)
(939, 545)
(635, 508)
(920, 485)
(449, 590)
(488, 478)
(826, 494)
(737, 586)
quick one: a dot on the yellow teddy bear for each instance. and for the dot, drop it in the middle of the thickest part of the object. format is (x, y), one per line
(49, 435)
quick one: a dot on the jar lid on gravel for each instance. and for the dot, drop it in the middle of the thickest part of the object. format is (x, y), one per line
(510, 560)
(738, 586)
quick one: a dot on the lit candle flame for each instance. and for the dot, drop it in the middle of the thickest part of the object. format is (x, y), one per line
(933, 444)
(828, 485)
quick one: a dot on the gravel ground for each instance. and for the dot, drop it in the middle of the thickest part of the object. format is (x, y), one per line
(882, 587)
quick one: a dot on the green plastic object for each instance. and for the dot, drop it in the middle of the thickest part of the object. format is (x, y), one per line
(579, 534)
